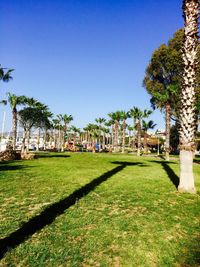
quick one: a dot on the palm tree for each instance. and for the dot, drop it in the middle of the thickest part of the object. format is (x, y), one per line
(66, 119)
(133, 114)
(123, 117)
(5, 76)
(15, 101)
(187, 110)
(111, 125)
(145, 127)
(115, 116)
(100, 121)
(4, 102)
(130, 129)
(139, 114)
(55, 127)
(75, 130)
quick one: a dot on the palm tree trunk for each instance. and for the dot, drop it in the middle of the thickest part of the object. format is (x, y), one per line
(113, 136)
(116, 136)
(14, 123)
(45, 138)
(27, 141)
(133, 140)
(138, 138)
(104, 141)
(123, 136)
(129, 138)
(145, 142)
(187, 111)
(23, 142)
(38, 139)
(167, 130)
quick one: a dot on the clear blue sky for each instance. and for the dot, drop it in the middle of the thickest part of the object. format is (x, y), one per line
(84, 57)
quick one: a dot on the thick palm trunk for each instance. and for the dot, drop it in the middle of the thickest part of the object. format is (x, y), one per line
(14, 127)
(145, 143)
(187, 111)
(167, 130)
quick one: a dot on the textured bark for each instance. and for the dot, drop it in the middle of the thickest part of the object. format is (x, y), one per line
(187, 111)
(104, 141)
(133, 140)
(145, 143)
(116, 136)
(138, 138)
(123, 136)
(27, 141)
(23, 142)
(113, 136)
(38, 139)
(186, 172)
(14, 126)
(167, 130)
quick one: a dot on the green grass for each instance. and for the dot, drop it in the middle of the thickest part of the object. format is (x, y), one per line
(133, 217)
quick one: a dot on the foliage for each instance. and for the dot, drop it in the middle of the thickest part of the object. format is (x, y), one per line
(5, 74)
(164, 73)
(32, 116)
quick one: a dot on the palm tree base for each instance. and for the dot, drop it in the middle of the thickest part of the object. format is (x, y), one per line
(186, 172)
(186, 190)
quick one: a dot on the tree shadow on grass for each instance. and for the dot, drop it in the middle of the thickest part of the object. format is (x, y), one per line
(51, 156)
(171, 174)
(47, 216)
(7, 167)
(127, 163)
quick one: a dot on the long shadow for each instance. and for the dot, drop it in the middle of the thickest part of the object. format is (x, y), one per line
(128, 163)
(171, 174)
(51, 156)
(47, 216)
(12, 167)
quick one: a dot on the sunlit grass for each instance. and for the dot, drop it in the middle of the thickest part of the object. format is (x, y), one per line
(134, 218)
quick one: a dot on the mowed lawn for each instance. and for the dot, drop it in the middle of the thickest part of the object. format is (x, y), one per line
(85, 209)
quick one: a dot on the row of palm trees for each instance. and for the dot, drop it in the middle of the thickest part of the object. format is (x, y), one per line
(111, 131)
(115, 127)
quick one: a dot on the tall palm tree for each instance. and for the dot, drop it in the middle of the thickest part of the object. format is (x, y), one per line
(140, 114)
(110, 124)
(145, 127)
(116, 117)
(100, 121)
(130, 129)
(15, 101)
(123, 117)
(187, 111)
(75, 130)
(133, 114)
(55, 123)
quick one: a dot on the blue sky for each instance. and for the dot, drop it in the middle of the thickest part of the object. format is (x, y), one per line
(84, 57)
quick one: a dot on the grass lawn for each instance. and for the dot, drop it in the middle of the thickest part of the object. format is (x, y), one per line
(87, 209)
